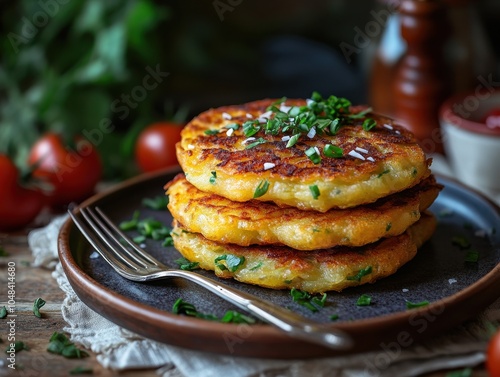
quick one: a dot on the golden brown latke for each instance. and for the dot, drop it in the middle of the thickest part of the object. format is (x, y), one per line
(311, 271)
(220, 219)
(388, 160)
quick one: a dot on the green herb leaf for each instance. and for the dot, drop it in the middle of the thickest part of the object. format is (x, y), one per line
(368, 124)
(18, 346)
(414, 305)
(169, 241)
(3, 312)
(157, 203)
(211, 132)
(81, 370)
(293, 140)
(130, 224)
(361, 273)
(334, 317)
(364, 300)
(3, 253)
(39, 302)
(257, 266)
(467, 372)
(319, 301)
(313, 303)
(333, 151)
(472, 256)
(250, 128)
(261, 189)
(383, 173)
(461, 242)
(233, 126)
(213, 177)
(314, 191)
(186, 265)
(185, 308)
(233, 262)
(255, 143)
(61, 345)
(232, 316)
(388, 227)
(313, 155)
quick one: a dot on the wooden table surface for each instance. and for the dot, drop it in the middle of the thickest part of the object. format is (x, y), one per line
(33, 282)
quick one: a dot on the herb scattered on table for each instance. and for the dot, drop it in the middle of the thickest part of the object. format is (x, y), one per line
(313, 303)
(81, 370)
(18, 346)
(3, 312)
(3, 253)
(59, 344)
(39, 302)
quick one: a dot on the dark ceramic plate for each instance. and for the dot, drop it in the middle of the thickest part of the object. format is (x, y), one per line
(456, 290)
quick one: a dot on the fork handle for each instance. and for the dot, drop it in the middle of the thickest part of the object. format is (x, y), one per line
(286, 320)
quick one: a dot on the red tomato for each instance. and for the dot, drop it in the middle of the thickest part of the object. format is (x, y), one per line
(493, 355)
(72, 173)
(18, 205)
(155, 147)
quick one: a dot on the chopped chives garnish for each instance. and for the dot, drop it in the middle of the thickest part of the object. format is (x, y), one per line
(472, 256)
(314, 191)
(213, 178)
(293, 140)
(413, 305)
(333, 151)
(233, 262)
(211, 132)
(261, 189)
(313, 155)
(233, 126)
(368, 124)
(334, 317)
(255, 143)
(361, 273)
(186, 265)
(364, 300)
(461, 242)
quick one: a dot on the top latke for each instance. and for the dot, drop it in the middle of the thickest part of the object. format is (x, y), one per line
(375, 163)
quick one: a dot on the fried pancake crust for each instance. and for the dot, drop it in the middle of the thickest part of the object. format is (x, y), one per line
(222, 164)
(248, 223)
(311, 271)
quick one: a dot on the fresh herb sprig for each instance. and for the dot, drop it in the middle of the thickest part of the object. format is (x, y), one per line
(320, 116)
(61, 345)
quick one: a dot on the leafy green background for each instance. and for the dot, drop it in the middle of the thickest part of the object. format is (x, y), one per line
(62, 67)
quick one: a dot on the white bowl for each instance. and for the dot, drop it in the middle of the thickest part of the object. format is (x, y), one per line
(472, 147)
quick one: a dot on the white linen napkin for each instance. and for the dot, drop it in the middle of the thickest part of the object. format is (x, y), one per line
(120, 349)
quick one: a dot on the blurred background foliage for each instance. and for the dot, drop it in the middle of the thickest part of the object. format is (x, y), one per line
(63, 63)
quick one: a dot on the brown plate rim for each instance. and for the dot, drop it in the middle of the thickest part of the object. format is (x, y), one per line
(265, 341)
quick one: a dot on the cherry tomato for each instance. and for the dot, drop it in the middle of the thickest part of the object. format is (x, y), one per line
(18, 205)
(72, 173)
(155, 146)
(493, 355)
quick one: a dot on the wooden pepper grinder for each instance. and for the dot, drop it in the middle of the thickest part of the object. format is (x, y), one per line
(421, 82)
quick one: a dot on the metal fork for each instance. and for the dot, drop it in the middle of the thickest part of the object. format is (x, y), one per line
(135, 264)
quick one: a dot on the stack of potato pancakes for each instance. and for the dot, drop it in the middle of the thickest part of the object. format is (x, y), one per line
(313, 194)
